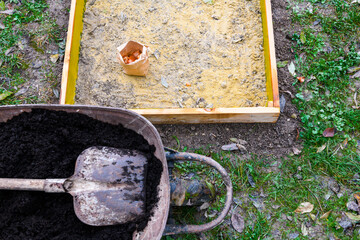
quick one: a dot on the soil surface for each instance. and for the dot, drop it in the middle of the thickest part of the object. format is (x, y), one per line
(45, 144)
(204, 55)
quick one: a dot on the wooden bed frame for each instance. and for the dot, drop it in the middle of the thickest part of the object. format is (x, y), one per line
(270, 113)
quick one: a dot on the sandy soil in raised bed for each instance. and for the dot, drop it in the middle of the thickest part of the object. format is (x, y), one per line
(209, 55)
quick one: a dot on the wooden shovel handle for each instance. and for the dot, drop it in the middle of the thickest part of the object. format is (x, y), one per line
(46, 185)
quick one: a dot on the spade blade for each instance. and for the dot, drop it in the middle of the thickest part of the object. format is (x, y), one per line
(108, 186)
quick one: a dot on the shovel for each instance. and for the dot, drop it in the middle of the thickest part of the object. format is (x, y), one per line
(108, 185)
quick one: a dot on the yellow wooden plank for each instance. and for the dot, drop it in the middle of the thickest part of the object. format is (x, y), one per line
(71, 59)
(216, 115)
(269, 52)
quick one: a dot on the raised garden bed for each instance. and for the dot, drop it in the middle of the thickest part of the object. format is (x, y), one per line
(212, 63)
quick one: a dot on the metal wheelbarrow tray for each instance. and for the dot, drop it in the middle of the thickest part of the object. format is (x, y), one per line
(156, 226)
(219, 114)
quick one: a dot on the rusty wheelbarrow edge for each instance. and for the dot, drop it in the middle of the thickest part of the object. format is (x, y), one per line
(131, 120)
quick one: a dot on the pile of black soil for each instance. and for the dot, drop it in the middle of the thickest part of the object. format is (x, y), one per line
(45, 144)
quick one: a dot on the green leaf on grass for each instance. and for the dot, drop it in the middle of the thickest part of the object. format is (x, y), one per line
(282, 64)
(211, 188)
(2, 6)
(5, 95)
(302, 37)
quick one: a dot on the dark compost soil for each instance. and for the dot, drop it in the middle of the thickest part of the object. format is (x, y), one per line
(46, 144)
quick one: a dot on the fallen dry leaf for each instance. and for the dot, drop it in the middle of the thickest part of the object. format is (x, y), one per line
(320, 149)
(54, 58)
(305, 207)
(357, 197)
(329, 132)
(325, 215)
(353, 69)
(251, 180)
(21, 91)
(297, 134)
(344, 143)
(333, 186)
(230, 147)
(353, 206)
(241, 147)
(296, 151)
(304, 230)
(355, 100)
(211, 214)
(345, 224)
(9, 12)
(204, 206)
(353, 216)
(237, 221)
(356, 75)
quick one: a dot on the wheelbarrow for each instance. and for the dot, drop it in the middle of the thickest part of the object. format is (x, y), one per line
(157, 225)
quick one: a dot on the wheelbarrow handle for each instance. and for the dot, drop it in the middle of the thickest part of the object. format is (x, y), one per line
(172, 229)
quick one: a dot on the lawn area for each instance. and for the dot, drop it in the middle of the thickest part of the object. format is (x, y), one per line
(312, 193)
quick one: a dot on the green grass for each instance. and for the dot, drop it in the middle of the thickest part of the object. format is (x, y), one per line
(323, 57)
(12, 62)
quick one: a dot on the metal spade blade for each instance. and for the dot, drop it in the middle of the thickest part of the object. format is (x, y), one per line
(108, 185)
